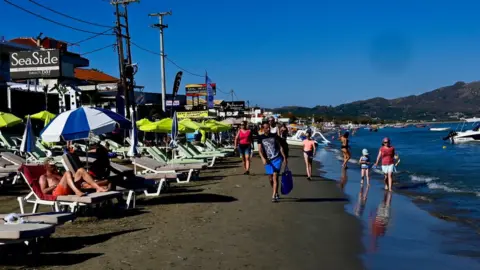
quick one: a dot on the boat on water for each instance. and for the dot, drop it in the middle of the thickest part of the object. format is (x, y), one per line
(472, 120)
(297, 138)
(420, 126)
(472, 135)
(440, 129)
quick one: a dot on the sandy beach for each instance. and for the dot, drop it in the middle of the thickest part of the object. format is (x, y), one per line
(223, 221)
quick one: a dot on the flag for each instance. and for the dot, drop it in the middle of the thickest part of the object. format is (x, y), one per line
(210, 95)
(176, 85)
(28, 139)
(133, 151)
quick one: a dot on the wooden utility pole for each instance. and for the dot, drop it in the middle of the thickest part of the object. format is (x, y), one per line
(125, 65)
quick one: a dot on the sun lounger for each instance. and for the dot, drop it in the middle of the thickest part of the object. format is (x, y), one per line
(52, 218)
(27, 233)
(12, 158)
(161, 156)
(153, 166)
(187, 153)
(32, 173)
(8, 142)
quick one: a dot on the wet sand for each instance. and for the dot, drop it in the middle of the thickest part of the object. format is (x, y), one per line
(397, 233)
(223, 221)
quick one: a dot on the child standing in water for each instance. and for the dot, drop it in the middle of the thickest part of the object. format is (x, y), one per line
(365, 166)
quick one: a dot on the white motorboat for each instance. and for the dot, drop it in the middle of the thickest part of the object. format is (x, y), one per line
(472, 120)
(472, 135)
(439, 129)
(298, 138)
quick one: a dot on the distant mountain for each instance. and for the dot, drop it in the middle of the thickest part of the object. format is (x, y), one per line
(443, 103)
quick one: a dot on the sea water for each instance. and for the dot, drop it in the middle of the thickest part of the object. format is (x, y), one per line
(443, 176)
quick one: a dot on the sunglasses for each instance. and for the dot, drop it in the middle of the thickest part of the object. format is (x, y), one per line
(386, 142)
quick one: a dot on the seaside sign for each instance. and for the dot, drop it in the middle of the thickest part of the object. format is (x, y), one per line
(197, 90)
(35, 64)
(192, 114)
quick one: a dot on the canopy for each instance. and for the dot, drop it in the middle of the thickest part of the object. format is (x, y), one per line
(9, 120)
(194, 125)
(216, 126)
(143, 121)
(164, 126)
(232, 121)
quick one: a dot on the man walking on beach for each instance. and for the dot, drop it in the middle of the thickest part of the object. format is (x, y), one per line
(272, 155)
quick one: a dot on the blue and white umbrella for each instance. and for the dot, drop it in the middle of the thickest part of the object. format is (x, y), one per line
(173, 143)
(133, 136)
(80, 123)
(28, 139)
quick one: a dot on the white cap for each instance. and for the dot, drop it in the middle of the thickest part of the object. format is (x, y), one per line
(365, 152)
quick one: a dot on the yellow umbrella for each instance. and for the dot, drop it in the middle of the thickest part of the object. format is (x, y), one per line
(9, 120)
(216, 126)
(44, 116)
(193, 125)
(143, 121)
(164, 126)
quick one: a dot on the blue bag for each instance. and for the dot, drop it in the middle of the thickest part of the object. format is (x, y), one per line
(287, 182)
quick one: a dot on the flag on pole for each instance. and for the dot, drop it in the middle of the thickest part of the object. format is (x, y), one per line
(210, 95)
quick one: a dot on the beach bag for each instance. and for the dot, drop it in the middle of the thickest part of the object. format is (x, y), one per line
(287, 182)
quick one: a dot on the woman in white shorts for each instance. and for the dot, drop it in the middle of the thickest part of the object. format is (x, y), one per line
(387, 154)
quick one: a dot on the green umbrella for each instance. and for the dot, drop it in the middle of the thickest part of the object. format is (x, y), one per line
(9, 120)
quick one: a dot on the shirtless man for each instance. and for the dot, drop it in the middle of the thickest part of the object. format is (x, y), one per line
(53, 183)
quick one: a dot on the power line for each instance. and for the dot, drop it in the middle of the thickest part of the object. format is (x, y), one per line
(52, 21)
(168, 59)
(99, 49)
(91, 37)
(68, 16)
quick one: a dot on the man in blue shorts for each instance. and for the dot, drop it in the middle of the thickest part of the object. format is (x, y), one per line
(273, 156)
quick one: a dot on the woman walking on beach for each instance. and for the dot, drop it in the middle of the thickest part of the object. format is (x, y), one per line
(345, 148)
(244, 142)
(272, 155)
(387, 154)
(309, 151)
(284, 136)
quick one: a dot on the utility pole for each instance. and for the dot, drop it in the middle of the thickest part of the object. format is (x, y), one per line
(125, 65)
(161, 26)
(231, 93)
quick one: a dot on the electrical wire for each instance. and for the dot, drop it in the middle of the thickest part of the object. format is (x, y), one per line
(168, 59)
(68, 16)
(99, 49)
(52, 21)
(91, 37)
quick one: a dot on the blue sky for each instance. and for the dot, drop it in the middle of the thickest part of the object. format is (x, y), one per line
(276, 53)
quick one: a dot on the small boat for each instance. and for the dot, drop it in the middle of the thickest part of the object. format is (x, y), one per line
(471, 120)
(420, 126)
(472, 135)
(297, 139)
(439, 129)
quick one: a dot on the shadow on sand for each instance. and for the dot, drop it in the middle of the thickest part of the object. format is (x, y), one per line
(60, 259)
(190, 198)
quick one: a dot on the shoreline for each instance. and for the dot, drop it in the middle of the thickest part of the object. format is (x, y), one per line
(406, 220)
(225, 220)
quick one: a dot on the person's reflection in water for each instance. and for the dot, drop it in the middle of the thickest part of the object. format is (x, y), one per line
(361, 201)
(381, 220)
(343, 178)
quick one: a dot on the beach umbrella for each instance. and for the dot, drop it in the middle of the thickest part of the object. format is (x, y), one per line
(81, 123)
(193, 125)
(28, 139)
(143, 121)
(133, 136)
(216, 126)
(9, 120)
(174, 130)
(43, 116)
(164, 126)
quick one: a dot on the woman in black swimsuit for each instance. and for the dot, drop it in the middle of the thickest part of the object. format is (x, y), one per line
(345, 148)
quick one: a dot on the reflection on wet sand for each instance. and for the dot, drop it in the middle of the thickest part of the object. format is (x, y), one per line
(343, 178)
(381, 220)
(361, 201)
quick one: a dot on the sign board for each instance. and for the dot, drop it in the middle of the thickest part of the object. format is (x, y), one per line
(197, 90)
(35, 64)
(235, 105)
(174, 103)
(192, 114)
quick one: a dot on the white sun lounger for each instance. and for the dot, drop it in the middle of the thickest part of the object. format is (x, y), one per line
(24, 233)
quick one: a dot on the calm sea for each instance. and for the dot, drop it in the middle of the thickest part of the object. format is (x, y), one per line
(444, 178)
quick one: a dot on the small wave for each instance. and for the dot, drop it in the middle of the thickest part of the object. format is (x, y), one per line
(450, 189)
(422, 178)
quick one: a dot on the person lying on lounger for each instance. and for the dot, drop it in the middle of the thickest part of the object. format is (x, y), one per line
(54, 183)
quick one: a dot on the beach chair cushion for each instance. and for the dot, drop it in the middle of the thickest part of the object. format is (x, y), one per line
(32, 175)
(91, 198)
(47, 218)
(12, 158)
(25, 231)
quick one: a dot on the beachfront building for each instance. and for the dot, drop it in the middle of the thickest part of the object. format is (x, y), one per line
(40, 75)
